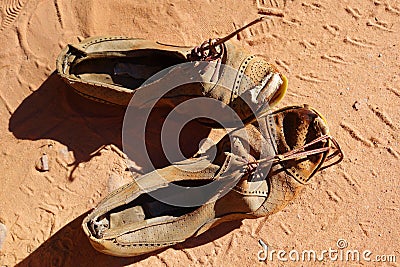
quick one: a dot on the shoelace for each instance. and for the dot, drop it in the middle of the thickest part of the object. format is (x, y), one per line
(213, 49)
(301, 152)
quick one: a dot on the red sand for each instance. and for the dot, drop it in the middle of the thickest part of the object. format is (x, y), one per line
(341, 57)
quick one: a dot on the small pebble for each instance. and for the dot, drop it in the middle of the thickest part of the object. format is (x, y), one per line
(3, 233)
(64, 152)
(80, 38)
(357, 106)
(43, 163)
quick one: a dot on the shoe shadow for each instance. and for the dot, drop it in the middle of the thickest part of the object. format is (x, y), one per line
(70, 247)
(55, 112)
(52, 112)
(210, 235)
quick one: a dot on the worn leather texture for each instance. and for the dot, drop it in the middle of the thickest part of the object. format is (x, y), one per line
(251, 194)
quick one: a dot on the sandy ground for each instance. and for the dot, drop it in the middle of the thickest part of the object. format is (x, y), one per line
(342, 57)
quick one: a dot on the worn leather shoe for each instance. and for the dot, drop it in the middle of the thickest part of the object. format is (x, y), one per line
(256, 172)
(113, 69)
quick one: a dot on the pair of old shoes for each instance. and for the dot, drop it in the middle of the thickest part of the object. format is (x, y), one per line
(254, 171)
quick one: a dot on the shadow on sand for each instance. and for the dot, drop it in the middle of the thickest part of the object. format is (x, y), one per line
(57, 113)
(70, 247)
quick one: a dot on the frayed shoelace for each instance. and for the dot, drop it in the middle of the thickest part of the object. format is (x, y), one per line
(300, 152)
(213, 49)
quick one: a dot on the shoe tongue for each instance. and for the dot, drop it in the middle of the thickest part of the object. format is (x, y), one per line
(243, 142)
(248, 144)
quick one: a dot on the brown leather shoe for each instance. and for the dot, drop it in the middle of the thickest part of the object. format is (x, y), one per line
(113, 70)
(257, 171)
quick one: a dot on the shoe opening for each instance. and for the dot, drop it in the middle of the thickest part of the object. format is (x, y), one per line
(144, 209)
(129, 70)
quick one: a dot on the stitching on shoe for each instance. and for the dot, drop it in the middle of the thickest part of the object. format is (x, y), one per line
(144, 244)
(99, 40)
(239, 76)
(240, 189)
(114, 240)
(297, 175)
